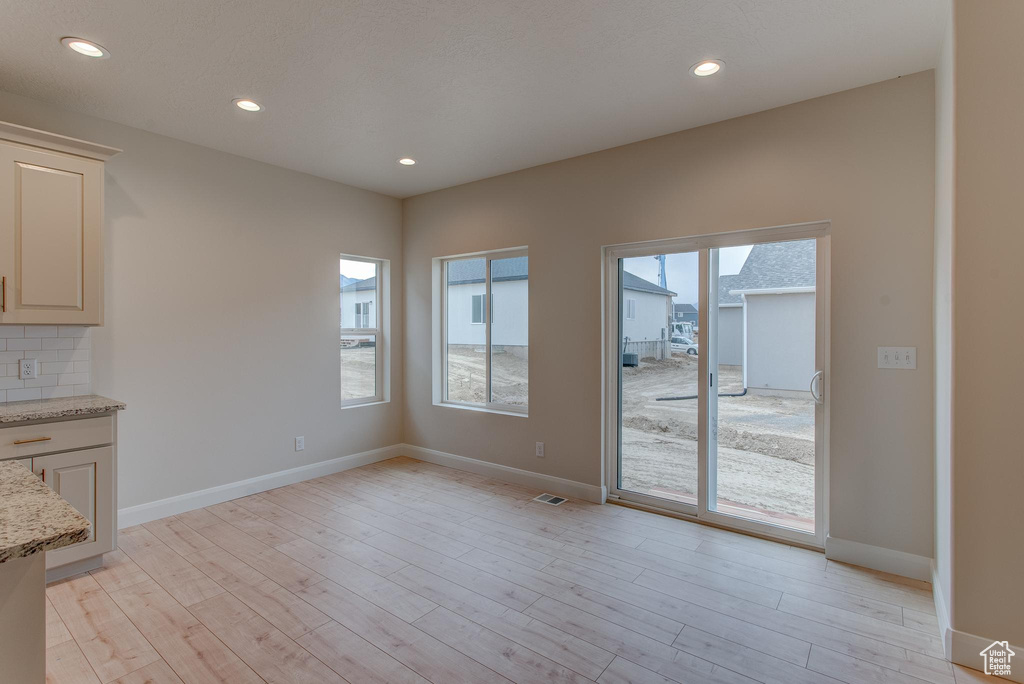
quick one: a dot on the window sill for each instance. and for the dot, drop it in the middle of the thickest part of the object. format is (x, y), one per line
(372, 402)
(482, 409)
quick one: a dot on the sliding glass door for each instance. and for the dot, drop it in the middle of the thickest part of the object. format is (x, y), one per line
(719, 377)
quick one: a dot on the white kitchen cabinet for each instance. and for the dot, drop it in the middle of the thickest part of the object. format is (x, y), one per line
(85, 480)
(51, 228)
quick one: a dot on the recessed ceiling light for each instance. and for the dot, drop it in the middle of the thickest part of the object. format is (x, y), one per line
(84, 47)
(407, 161)
(248, 105)
(707, 68)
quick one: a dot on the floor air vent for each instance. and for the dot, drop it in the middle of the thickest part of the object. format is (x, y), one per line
(550, 499)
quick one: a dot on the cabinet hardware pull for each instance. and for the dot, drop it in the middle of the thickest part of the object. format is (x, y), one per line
(3, 300)
(30, 441)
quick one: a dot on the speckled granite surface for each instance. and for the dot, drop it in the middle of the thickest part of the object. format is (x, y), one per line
(17, 411)
(33, 518)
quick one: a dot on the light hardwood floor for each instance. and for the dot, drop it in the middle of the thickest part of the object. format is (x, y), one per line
(404, 571)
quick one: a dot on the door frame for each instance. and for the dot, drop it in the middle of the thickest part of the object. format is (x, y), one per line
(611, 371)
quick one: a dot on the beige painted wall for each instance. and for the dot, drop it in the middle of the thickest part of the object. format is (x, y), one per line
(863, 158)
(943, 307)
(222, 309)
(988, 243)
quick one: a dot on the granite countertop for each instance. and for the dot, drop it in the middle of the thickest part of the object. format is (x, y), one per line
(33, 517)
(18, 411)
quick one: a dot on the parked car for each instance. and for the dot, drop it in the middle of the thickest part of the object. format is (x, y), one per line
(684, 344)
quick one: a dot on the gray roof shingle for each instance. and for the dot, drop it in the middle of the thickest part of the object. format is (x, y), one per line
(771, 265)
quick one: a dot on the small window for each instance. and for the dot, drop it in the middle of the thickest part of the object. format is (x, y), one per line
(477, 315)
(362, 332)
(485, 324)
(631, 309)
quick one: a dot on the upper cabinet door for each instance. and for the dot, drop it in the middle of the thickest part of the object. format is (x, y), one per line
(51, 223)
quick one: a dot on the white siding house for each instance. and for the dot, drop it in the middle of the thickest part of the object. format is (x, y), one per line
(766, 317)
(358, 305)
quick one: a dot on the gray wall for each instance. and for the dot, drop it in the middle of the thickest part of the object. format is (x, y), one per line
(730, 335)
(864, 159)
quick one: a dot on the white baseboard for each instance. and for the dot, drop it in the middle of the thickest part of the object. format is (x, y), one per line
(967, 652)
(942, 613)
(527, 478)
(879, 558)
(135, 515)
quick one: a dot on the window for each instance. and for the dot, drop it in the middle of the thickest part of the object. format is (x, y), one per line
(362, 332)
(485, 329)
(478, 310)
(630, 309)
(362, 319)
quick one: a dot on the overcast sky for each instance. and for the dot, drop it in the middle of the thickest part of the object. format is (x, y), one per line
(681, 270)
(360, 270)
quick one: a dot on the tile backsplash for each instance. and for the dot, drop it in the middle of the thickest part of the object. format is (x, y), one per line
(63, 352)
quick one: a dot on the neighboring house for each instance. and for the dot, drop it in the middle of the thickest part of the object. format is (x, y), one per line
(467, 310)
(358, 308)
(684, 313)
(646, 309)
(766, 317)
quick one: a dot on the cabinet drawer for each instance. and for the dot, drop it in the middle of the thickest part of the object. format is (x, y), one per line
(45, 438)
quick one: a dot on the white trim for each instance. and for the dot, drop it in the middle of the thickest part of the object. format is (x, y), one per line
(547, 483)
(54, 141)
(154, 510)
(941, 613)
(879, 558)
(966, 650)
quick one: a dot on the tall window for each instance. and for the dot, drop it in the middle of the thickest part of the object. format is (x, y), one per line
(485, 324)
(362, 335)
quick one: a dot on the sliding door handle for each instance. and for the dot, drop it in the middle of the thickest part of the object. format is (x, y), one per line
(815, 381)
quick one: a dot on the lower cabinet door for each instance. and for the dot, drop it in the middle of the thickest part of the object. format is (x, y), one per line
(85, 479)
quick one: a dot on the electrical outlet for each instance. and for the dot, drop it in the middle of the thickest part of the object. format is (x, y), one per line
(28, 368)
(300, 443)
(540, 449)
(904, 358)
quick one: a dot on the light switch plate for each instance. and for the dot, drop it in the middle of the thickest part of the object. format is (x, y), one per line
(28, 369)
(904, 358)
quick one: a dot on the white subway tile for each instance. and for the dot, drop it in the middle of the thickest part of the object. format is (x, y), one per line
(72, 378)
(3, 344)
(81, 342)
(42, 356)
(82, 390)
(12, 331)
(42, 381)
(72, 331)
(3, 396)
(22, 344)
(8, 383)
(23, 394)
(58, 367)
(11, 356)
(3, 370)
(73, 355)
(40, 331)
(82, 366)
(12, 369)
(50, 343)
(54, 392)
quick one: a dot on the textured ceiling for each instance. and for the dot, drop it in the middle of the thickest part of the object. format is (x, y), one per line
(471, 88)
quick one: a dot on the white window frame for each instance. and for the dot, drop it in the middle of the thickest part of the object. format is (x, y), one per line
(381, 345)
(440, 330)
(483, 310)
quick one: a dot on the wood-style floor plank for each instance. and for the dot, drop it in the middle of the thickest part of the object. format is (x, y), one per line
(188, 646)
(264, 648)
(108, 639)
(405, 571)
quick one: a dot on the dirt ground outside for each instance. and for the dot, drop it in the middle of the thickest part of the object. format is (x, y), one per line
(358, 372)
(467, 374)
(765, 444)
